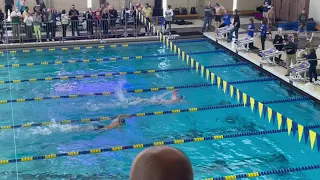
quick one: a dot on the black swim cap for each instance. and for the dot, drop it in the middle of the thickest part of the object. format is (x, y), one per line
(100, 126)
(180, 97)
(123, 121)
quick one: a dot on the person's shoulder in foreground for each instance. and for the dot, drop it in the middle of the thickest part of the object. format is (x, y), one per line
(161, 163)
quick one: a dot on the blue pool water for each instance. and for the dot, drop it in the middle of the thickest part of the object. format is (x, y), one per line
(209, 159)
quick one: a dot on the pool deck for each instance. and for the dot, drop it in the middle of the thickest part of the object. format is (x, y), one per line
(278, 71)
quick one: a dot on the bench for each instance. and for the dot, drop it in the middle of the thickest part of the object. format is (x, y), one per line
(187, 16)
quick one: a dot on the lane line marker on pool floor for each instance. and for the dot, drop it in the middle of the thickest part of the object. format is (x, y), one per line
(93, 47)
(72, 96)
(45, 63)
(137, 72)
(158, 143)
(175, 111)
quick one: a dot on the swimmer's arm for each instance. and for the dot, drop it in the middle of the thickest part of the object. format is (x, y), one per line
(121, 116)
(174, 95)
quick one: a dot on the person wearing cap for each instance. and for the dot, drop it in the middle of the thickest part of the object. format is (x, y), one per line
(116, 123)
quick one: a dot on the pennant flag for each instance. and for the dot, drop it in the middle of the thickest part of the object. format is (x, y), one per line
(306, 135)
(174, 49)
(274, 115)
(219, 82)
(279, 117)
(207, 74)
(192, 62)
(183, 55)
(260, 107)
(170, 46)
(244, 98)
(154, 29)
(252, 103)
(294, 128)
(231, 90)
(300, 131)
(224, 84)
(212, 78)
(179, 52)
(167, 41)
(157, 33)
(313, 136)
(202, 71)
(289, 124)
(238, 95)
(188, 57)
(160, 36)
(197, 66)
(269, 114)
(265, 110)
(255, 106)
(318, 142)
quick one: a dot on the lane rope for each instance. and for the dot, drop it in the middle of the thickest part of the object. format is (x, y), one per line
(92, 47)
(72, 96)
(45, 63)
(137, 72)
(266, 173)
(158, 143)
(174, 111)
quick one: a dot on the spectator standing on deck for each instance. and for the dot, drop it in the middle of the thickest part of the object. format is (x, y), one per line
(265, 9)
(89, 20)
(8, 7)
(291, 50)
(64, 22)
(218, 16)
(263, 33)
(147, 13)
(312, 59)
(74, 17)
(251, 29)
(16, 21)
(278, 41)
(271, 16)
(37, 21)
(2, 16)
(105, 19)
(302, 20)
(236, 26)
(113, 18)
(226, 19)
(208, 15)
(50, 18)
(168, 17)
(28, 20)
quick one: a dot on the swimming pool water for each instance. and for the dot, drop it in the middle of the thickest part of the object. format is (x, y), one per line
(209, 159)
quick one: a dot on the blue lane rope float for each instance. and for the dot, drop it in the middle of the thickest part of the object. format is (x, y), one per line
(174, 111)
(266, 173)
(98, 60)
(72, 96)
(149, 71)
(158, 143)
(248, 101)
(92, 47)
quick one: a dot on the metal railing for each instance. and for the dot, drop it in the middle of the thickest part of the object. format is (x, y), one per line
(73, 30)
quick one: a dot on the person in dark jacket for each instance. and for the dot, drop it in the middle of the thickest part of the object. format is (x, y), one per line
(312, 59)
(236, 26)
(263, 33)
(302, 20)
(105, 22)
(1, 23)
(208, 15)
(291, 50)
(113, 17)
(74, 17)
(89, 20)
(8, 6)
(278, 41)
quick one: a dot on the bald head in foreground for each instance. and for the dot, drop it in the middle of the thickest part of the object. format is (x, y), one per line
(161, 163)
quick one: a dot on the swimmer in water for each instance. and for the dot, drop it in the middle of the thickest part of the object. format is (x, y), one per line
(116, 123)
(176, 98)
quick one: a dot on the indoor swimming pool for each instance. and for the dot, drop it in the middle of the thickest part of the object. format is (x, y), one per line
(51, 100)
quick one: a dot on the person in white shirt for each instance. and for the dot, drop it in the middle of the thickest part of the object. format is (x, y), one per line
(168, 17)
(64, 22)
(28, 20)
(16, 21)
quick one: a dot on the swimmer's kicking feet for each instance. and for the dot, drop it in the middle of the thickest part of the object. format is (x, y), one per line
(116, 123)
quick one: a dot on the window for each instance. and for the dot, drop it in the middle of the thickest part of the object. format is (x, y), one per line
(89, 4)
(235, 4)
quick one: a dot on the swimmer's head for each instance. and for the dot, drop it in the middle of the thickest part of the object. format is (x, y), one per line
(122, 121)
(180, 97)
